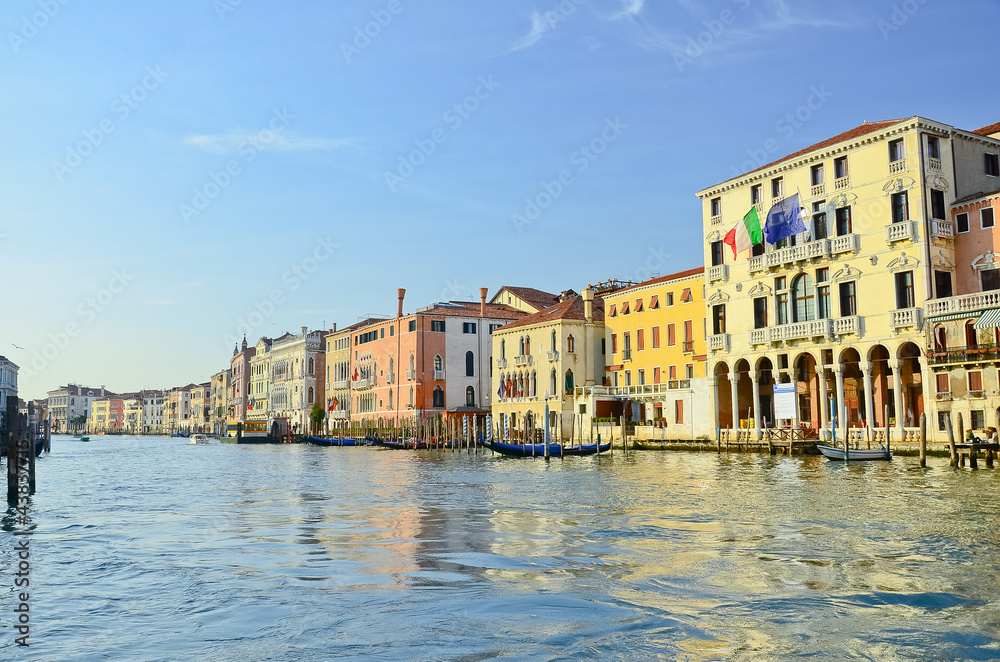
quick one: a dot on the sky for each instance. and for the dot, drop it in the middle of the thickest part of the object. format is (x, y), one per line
(177, 173)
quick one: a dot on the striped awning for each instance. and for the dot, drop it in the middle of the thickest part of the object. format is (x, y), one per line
(989, 319)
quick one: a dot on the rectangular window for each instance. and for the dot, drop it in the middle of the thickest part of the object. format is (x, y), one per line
(654, 302)
(816, 175)
(819, 220)
(638, 305)
(986, 217)
(614, 343)
(656, 337)
(843, 221)
(848, 299)
(942, 421)
(624, 307)
(933, 147)
(962, 222)
(896, 152)
(719, 318)
(413, 325)
(937, 205)
(670, 298)
(978, 419)
(640, 340)
(672, 372)
(717, 255)
(437, 325)
(678, 411)
(613, 310)
(760, 312)
(689, 371)
(756, 194)
(671, 336)
(688, 331)
(686, 295)
(840, 168)
(942, 284)
(392, 330)
(823, 294)
(900, 207)
(656, 375)
(990, 279)
(468, 327)
(975, 380)
(777, 188)
(781, 308)
(904, 290)
(716, 206)
(943, 382)
(642, 377)
(992, 164)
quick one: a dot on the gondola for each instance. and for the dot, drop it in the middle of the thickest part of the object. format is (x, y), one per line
(538, 450)
(400, 444)
(342, 441)
(851, 454)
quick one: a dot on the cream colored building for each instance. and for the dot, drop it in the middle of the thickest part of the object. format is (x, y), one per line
(297, 365)
(835, 314)
(219, 396)
(260, 384)
(544, 358)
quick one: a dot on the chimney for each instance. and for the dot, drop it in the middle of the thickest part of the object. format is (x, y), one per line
(305, 331)
(102, 389)
(400, 293)
(482, 301)
(588, 305)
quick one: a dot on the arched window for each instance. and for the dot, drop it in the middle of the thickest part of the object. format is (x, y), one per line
(534, 383)
(521, 353)
(804, 299)
(470, 364)
(569, 381)
(940, 339)
(503, 349)
(311, 366)
(438, 397)
(310, 394)
(392, 370)
(554, 346)
(438, 363)
(411, 396)
(527, 345)
(390, 398)
(552, 381)
(413, 364)
(470, 397)
(570, 345)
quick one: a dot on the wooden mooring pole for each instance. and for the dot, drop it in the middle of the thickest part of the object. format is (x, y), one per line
(30, 430)
(13, 436)
(951, 441)
(961, 436)
(923, 440)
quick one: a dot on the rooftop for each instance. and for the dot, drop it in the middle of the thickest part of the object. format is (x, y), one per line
(663, 279)
(537, 298)
(570, 309)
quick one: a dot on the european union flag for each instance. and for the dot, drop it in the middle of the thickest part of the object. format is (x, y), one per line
(783, 220)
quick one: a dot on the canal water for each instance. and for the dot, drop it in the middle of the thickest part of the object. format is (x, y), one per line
(148, 548)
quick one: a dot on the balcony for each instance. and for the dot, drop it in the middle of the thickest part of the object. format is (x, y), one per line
(552, 356)
(847, 243)
(502, 364)
(934, 165)
(720, 342)
(716, 220)
(756, 264)
(800, 253)
(634, 390)
(760, 207)
(438, 374)
(627, 354)
(843, 326)
(972, 354)
(718, 273)
(907, 318)
(903, 231)
(965, 303)
(942, 229)
(362, 384)
(817, 190)
(411, 375)
(341, 384)
(523, 360)
(896, 167)
(842, 184)
(689, 347)
(793, 331)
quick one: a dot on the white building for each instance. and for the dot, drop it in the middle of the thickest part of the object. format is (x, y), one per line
(8, 381)
(296, 370)
(152, 412)
(69, 403)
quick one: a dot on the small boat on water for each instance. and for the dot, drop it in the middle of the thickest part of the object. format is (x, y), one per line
(342, 441)
(84, 438)
(199, 439)
(851, 454)
(538, 450)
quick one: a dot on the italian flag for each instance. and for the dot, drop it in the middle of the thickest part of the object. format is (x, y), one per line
(747, 233)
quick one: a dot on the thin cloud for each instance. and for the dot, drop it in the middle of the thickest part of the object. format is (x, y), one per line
(539, 26)
(226, 143)
(630, 9)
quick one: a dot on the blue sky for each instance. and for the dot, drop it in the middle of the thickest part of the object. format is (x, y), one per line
(176, 172)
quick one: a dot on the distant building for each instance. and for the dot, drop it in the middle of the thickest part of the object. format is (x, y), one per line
(297, 380)
(69, 407)
(260, 386)
(8, 381)
(177, 409)
(152, 412)
(220, 402)
(239, 383)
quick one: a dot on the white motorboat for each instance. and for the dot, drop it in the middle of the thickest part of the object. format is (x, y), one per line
(199, 439)
(850, 454)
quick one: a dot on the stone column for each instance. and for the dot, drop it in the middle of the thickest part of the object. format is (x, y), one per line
(756, 403)
(733, 382)
(824, 407)
(838, 396)
(713, 389)
(897, 393)
(866, 372)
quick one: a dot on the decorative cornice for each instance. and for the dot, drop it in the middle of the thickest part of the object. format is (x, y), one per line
(760, 288)
(718, 297)
(903, 263)
(985, 261)
(899, 184)
(847, 273)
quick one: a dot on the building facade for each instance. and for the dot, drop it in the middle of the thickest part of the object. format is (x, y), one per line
(296, 369)
(8, 381)
(69, 407)
(219, 414)
(152, 412)
(239, 383)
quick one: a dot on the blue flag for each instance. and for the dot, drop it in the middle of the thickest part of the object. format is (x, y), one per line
(784, 220)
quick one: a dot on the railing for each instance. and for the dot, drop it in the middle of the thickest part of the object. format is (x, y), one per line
(718, 272)
(907, 317)
(501, 363)
(847, 243)
(553, 355)
(362, 384)
(411, 374)
(522, 360)
(756, 264)
(793, 331)
(341, 384)
(720, 342)
(942, 229)
(438, 374)
(845, 325)
(820, 248)
(634, 389)
(903, 231)
(716, 220)
(627, 354)
(842, 184)
(934, 164)
(896, 167)
(971, 354)
(760, 207)
(817, 190)
(964, 303)
(688, 346)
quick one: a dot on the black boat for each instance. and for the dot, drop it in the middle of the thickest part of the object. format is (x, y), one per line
(538, 450)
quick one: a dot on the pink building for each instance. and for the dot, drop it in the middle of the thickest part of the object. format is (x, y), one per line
(239, 383)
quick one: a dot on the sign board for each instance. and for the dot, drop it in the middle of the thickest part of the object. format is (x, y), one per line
(784, 401)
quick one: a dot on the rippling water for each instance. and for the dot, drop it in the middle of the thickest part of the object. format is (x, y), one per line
(152, 549)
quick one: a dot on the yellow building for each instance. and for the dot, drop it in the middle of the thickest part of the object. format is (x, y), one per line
(260, 382)
(100, 416)
(656, 361)
(201, 408)
(832, 318)
(544, 358)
